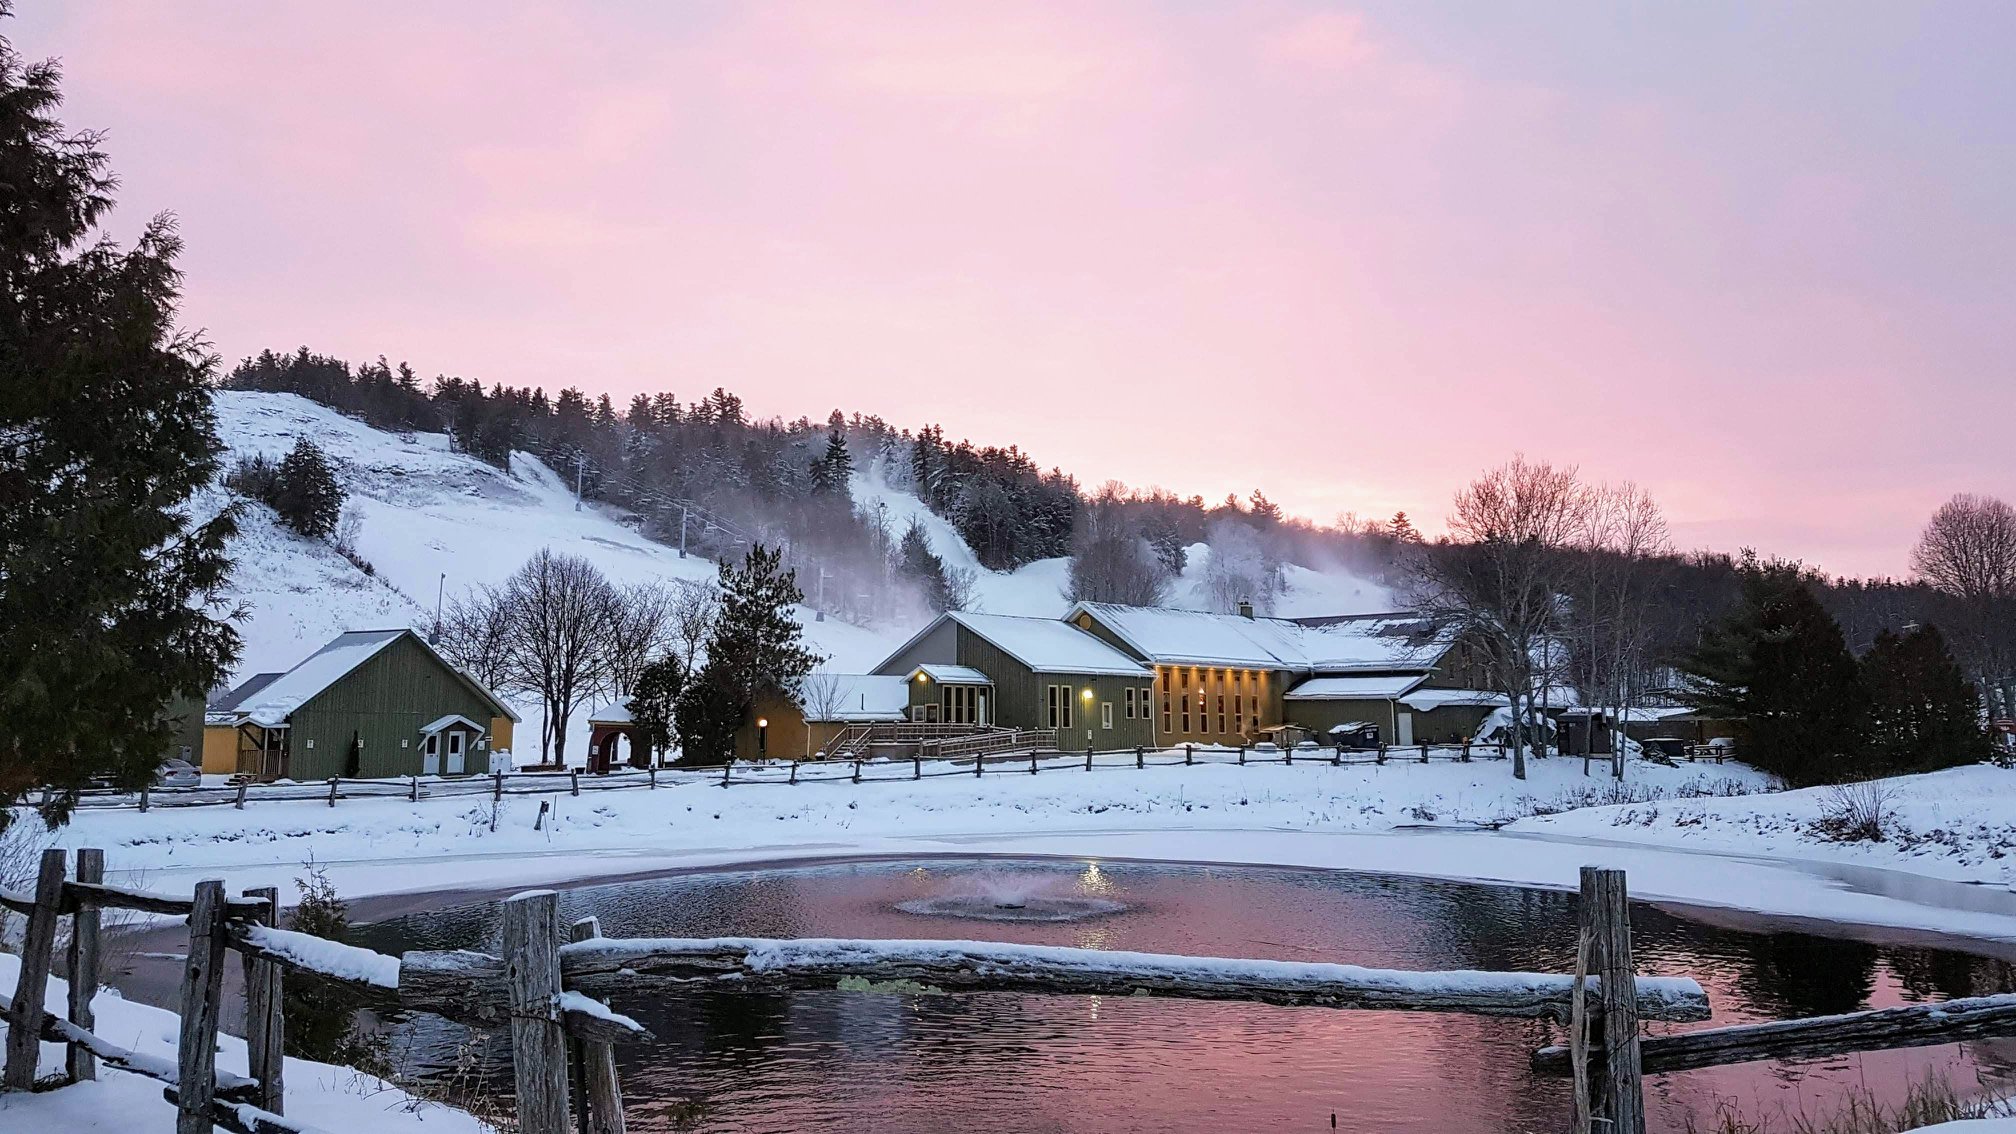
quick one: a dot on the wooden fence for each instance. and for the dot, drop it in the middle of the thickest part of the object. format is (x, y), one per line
(544, 989)
(1025, 758)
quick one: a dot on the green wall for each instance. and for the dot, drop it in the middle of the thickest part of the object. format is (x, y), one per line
(384, 702)
(1019, 697)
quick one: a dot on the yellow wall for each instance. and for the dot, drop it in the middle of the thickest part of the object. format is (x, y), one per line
(220, 750)
(500, 733)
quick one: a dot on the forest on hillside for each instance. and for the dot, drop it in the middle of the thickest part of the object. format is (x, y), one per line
(704, 472)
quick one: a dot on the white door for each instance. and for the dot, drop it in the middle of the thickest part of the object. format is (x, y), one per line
(981, 701)
(455, 740)
(1403, 728)
(430, 755)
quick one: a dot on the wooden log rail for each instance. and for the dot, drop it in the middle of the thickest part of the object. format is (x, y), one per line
(452, 983)
(1914, 1025)
(78, 895)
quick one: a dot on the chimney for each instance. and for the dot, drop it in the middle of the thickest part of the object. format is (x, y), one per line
(1245, 608)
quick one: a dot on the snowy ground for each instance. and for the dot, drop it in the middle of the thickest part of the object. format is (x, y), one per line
(324, 1097)
(1400, 818)
(1959, 824)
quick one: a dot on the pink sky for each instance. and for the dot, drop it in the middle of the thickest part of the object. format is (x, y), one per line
(1760, 259)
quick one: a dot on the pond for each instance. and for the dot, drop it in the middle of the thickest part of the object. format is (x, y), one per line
(911, 1063)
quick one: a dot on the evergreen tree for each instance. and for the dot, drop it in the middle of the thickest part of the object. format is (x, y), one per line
(916, 562)
(654, 703)
(109, 588)
(756, 645)
(1778, 666)
(1923, 712)
(306, 493)
(834, 468)
(1402, 529)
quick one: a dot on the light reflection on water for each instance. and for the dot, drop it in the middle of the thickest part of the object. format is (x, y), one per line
(848, 1061)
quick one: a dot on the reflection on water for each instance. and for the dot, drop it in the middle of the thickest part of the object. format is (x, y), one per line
(849, 1061)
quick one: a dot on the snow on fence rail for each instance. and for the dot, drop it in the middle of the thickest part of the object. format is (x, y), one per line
(1024, 757)
(546, 991)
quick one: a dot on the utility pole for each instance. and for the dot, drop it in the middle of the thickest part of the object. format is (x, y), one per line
(682, 531)
(439, 587)
(580, 462)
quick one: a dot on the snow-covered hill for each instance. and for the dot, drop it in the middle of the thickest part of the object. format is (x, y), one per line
(434, 521)
(438, 522)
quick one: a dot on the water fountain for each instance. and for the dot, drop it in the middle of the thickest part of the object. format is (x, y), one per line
(1020, 896)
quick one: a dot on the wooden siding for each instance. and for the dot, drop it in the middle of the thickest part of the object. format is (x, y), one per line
(220, 750)
(500, 733)
(383, 703)
(941, 645)
(1019, 697)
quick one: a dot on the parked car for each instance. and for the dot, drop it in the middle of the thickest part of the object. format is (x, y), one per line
(177, 773)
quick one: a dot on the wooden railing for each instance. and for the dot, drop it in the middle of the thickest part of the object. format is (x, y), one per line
(540, 988)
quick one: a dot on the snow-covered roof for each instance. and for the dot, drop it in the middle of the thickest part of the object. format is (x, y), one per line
(243, 692)
(449, 721)
(1425, 700)
(1047, 645)
(1373, 642)
(853, 697)
(952, 674)
(615, 712)
(272, 703)
(1379, 687)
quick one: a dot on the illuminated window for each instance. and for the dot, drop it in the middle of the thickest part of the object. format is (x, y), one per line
(1221, 711)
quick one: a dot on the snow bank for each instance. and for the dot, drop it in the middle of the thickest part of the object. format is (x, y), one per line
(1957, 824)
(323, 1096)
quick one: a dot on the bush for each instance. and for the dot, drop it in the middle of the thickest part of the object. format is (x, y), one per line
(1857, 813)
(322, 1014)
(301, 488)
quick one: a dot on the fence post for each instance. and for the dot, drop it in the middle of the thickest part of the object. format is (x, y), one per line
(574, 780)
(1088, 757)
(532, 980)
(1032, 760)
(239, 803)
(979, 762)
(1424, 752)
(332, 790)
(599, 1086)
(727, 769)
(1242, 755)
(1381, 757)
(497, 792)
(1140, 755)
(1606, 911)
(794, 771)
(857, 769)
(83, 966)
(1466, 752)
(202, 988)
(143, 797)
(652, 772)
(24, 1019)
(1189, 755)
(265, 1026)
(413, 788)
(917, 766)
(1288, 755)
(1337, 755)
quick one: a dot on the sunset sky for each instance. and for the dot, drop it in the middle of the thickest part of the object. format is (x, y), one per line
(1759, 258)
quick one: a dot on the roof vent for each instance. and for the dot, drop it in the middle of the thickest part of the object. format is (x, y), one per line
(1245, 608)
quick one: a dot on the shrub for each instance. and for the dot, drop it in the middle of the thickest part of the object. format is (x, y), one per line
(1857, 813)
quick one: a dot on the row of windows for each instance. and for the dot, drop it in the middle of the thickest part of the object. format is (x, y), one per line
(1187, 712)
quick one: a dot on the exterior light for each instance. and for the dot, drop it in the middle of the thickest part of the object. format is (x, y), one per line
(922, 677)
(1087, 694)
(762, 722)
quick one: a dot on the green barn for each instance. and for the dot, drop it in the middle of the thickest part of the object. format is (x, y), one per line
(371, 703)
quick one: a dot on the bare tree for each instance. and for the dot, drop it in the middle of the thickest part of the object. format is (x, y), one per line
(1241, 567)
(641, 626)
(695, 605)
(560, 607)
(475, 635)
(1622, 541)
(1110, 559)
(821, 694)
(1501, 576)
(1968, 552)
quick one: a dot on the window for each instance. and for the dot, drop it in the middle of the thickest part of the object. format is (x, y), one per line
(1166, 727)
(1238, 710)
(1050, 706)
(1106, 714)
(1221, 712)
(1130, 702)
(1186, 700)
(1058, 700)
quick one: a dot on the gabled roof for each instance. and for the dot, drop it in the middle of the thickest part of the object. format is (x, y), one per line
(1358, 643)
(952, 674)
(274, 701)
(1047, 645)
(615, 712)
(232, 699)
(450, 721)
(1378, 687)
(853, 697)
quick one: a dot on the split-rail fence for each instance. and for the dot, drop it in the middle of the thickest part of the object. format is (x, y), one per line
(548, 989)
